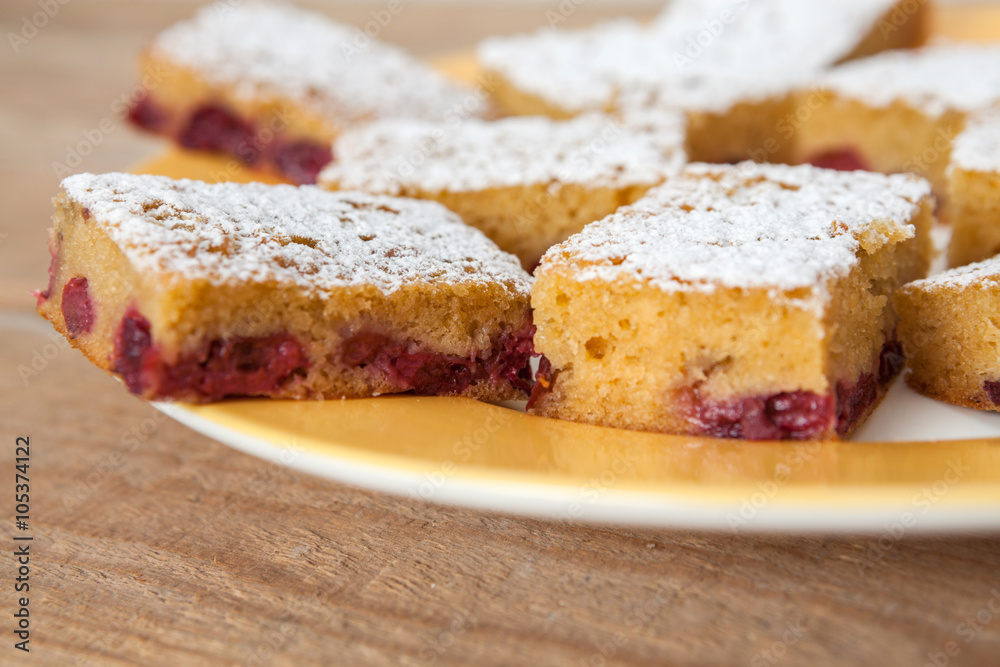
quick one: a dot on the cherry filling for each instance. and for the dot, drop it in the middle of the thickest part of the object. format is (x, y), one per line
(854, 400)
(890, 360)
(43, 295)
(840, 160)
(796, 415)
(147, 115)
(214, 128)
(77, 308)
(301, 161)
(221, 368)
(410, 368)
(544, 380)
(993, 391)
(799, 415)
(133, 345)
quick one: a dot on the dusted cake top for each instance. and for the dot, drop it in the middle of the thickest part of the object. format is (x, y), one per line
(977, 148)
(577, 70)
(746, 226)
(399, 156)
(691, 56)
(236, 233)
(267, 50)
(987, 271)
(934, 79)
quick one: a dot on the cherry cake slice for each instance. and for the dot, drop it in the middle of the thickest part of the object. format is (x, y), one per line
(746, 301)
(950, 332)
(527, 182)
(974, 190)
(195, 292)
(271, 85)
(898, 111)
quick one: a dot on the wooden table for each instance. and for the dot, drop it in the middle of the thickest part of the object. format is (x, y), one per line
(155, 545)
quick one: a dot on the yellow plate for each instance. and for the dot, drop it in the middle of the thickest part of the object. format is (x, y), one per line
(460, 451)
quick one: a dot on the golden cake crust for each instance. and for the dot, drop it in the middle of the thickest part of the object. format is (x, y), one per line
(763, 48)
(276, 51)
(199, 267)
(528, 183)
(271, 85)
(733, 68)
(974, 190)
(730, 285)
(949, 331)
(900, 110)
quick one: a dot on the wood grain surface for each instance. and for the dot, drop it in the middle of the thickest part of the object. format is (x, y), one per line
(154, 545)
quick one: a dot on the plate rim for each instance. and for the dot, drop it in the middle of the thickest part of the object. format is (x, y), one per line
(799, 509)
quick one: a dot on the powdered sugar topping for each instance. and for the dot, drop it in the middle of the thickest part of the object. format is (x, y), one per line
(746, 226)
(231, 233)
(267, 50)
(935, 79)
(977, 148)
(404, 156)
(970, 275)
(699, 54)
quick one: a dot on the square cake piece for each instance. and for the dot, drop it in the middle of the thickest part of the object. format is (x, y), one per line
(748, 301)
(272, 85)
(194, 292)
(898, 111)
(732, 66)
(527, 183)
(974, 190)
(950, 333)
